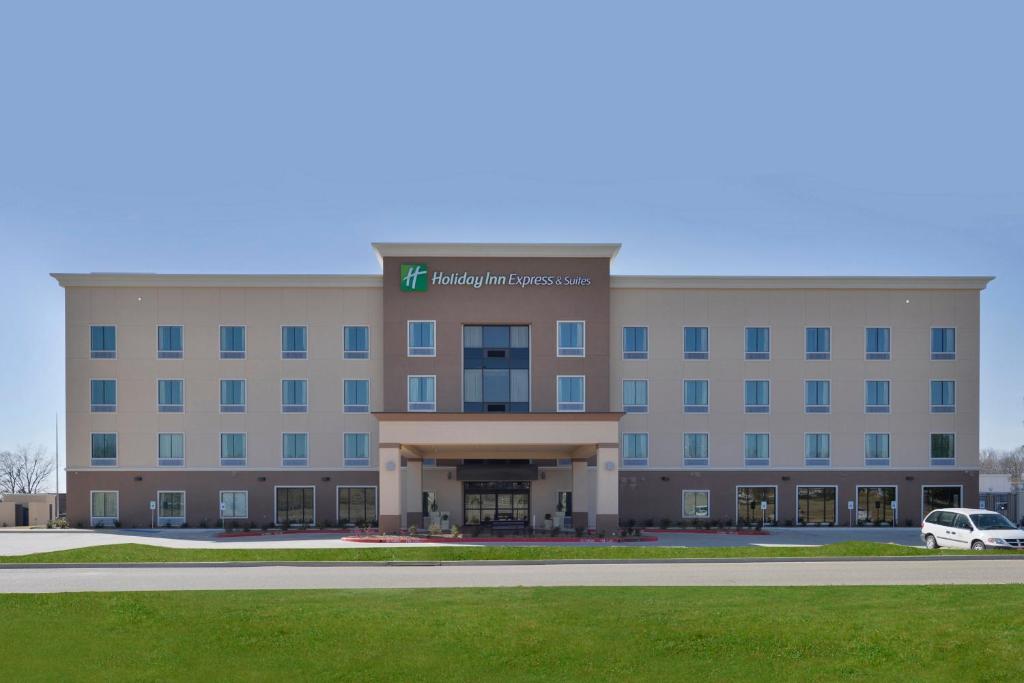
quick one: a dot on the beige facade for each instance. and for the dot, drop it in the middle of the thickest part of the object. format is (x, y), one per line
(582, 454)
(27, 509)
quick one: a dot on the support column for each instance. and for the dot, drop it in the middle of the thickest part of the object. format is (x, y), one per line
(580, 495)
(390, 488)
(607, 503)
(413, 493)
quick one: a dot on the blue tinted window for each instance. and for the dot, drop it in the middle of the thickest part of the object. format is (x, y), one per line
(102, 338)
(878, 340)
(695, 339)
(104, 392)
(232, 339)
(818, 340)
(168, 338)
(293, 339)
(634, 339)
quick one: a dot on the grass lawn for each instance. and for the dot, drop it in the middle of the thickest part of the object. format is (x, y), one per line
(137, 552)
(914, 633)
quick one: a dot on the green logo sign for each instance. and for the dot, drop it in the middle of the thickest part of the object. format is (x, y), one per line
(414, 277)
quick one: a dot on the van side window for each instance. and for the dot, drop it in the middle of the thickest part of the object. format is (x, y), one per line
(962, 523)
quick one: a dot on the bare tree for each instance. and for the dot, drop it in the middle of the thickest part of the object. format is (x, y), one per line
(1013, 464)
(25, 470)
(991, 461)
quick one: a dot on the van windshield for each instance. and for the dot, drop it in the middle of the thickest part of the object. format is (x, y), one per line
(991, 521)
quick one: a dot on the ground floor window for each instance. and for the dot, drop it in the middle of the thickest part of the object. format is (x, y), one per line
(748, 504)
(696, 503)
(170, 507)
(294, 505)
(357, 504)
(486, 502)
(103, 506)
(234, 504)
(563, 507)
(876, 505)
(816, 505)
(935, 497)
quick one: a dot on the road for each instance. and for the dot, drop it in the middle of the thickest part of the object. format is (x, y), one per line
(852, 573)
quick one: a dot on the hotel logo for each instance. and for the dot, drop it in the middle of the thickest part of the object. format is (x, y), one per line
(413, 277)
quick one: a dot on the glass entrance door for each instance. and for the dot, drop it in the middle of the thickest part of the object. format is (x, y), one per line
(295, 505)
(564, 507)
(875, 505)
(486, 502)
(748, 504)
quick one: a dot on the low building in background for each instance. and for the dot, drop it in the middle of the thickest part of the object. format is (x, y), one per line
(28, 509)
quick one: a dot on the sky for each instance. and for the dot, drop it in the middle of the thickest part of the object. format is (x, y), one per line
(782, 138)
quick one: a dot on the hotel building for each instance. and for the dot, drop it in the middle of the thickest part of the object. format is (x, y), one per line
(507, 385)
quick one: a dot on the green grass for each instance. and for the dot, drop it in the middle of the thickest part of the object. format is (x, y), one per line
(135, 552)
(916, 633)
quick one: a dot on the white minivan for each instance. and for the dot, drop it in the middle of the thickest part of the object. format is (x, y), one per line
(969, 528)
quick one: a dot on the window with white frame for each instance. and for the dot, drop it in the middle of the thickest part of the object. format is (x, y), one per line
(103, 395)
(876, 396)
(357, 396)
(421, 338)
(103, 507)
(102, 341)
(634, 449)
(234, 504)
(170, 506)
(571, 390)
(943, 452)
(695, 396)
(422, 393)
(293, 342)
(758, 343)
(697, 503)
(695, 449)
(876, 450)
(634, 395)
(295, 449)
(818, 396)
(232, 396)
(170, 395)
(634, 343)
(170, 449)
(356, 341)
(819, 343)
(877, 343)
(943, 343)
(817, 450)
(104, 450)
(232, 450)
(756, 396)
(943, 396)
(293, 396)
(755, 450)
(571, 338)
(232, 341)
(169, 341)
(357, 450)
(695, 343)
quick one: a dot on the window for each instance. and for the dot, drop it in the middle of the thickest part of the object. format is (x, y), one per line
(571, 393)
(294, 505)
(103, 507)
(169, 341)
(876, 505)
(758, 343)
(357, 505)
(234, 504)
(357, 450)
(293, 342)
(695, 396)
(104, 449)
(422, 393)
(634, 395)
(817, 450)
(170, 395)
(496, 369)
(695, 450)
(170, 506)
(421, 338)
(877, 343)
(937, 497)
(943, 396)
(876, 450)
(103, 395)
(634, 449)
(943, 450)
(102, 341)
(816, 505)
(357, 342)
(357, 396)
(755, 504)
(755, 450)
(876, 399)
(232, 396)
(818, 396)
(634, 343)
(170, 450)
(695, 343)
(697, 504)
(571, 338)
(295, 450)
(819, 343)
(232, 450)
(293, 396)
(232, 341)
(756, 395)
(943, 343)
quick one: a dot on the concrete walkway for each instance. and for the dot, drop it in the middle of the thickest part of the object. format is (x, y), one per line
(860, 573)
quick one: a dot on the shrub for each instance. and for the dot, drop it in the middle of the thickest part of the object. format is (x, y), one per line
(455, 531)
(413, 530)
(435, 529)
(59, 523)
(117, 524)
(184, 525)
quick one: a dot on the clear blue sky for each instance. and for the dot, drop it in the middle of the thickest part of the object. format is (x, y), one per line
(760, 138)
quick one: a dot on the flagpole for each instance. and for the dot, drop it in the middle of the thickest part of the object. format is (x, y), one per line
(56, 443)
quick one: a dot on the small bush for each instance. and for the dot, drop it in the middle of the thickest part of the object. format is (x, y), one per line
(434, 529)
(117, 524)
(59, 523)
(455, 531)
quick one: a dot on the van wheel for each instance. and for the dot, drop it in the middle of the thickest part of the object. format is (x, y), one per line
(977, 545)
(930, 542)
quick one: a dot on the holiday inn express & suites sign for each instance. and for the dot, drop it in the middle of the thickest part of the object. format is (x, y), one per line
(416, 277)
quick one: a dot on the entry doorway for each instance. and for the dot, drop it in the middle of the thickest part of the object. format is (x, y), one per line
(876, 505)
(20, 515)
(564, 507)
(294, 505)
(487, 502)
(749, 501)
